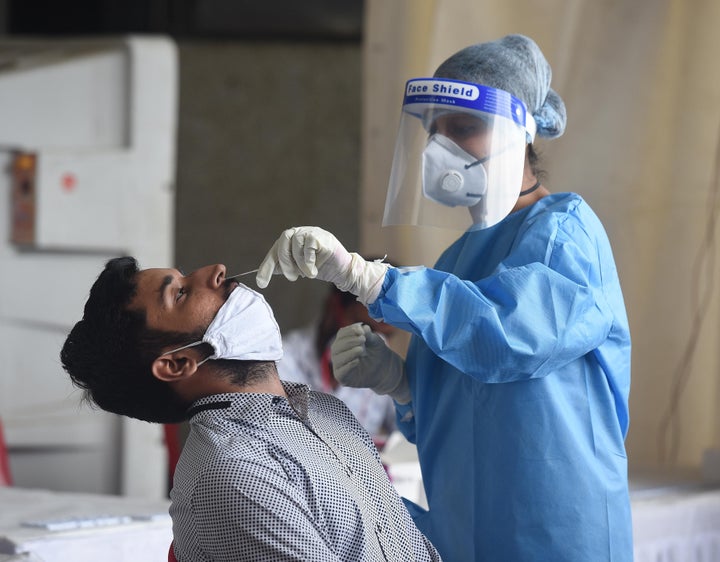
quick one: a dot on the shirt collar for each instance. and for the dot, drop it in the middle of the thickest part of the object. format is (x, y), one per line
(251, 405)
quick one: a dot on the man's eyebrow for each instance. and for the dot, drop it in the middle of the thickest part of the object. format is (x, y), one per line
(167, 280)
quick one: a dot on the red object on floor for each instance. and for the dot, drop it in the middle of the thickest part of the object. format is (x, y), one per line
(5, 476)
(172, 444)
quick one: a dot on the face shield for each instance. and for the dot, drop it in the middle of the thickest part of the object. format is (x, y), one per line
(459, 155)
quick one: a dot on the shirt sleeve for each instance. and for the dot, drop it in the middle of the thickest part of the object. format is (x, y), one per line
(252, 512)
(541, 308)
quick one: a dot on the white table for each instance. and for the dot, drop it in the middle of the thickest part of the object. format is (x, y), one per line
(675, 519)
(115, 528)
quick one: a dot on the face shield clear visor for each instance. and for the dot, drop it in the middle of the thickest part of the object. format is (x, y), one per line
(459, 155)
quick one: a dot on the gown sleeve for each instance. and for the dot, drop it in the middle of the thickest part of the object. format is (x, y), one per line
(542, 307)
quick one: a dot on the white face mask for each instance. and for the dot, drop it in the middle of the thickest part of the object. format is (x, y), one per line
(451, 176)
(243, 329)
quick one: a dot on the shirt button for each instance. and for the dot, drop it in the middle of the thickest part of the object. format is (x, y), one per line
(378, 527)
(276, 400)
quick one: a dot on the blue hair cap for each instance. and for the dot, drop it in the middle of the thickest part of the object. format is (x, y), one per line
(515, 64)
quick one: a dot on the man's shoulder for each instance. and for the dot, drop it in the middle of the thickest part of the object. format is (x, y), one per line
(226, 461)
(335, 414)
(328, 402)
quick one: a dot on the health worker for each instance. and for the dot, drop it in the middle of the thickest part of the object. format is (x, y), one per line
(515, 386)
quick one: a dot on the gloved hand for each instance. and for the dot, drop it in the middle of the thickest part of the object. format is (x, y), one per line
(309, 251)
(361, 359)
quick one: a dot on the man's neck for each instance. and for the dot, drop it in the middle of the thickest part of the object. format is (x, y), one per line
(270, 385)
(211, 382)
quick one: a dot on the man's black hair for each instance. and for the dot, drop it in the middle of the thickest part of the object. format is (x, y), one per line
(109, 353)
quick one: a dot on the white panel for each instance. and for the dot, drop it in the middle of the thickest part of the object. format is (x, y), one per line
(65, 100)
(93, 470)
(39, 406)
(91, 214)
(144, 461)
(46, 289)
(105, 112)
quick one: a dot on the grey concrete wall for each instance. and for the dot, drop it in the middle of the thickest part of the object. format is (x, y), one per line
(269, 137)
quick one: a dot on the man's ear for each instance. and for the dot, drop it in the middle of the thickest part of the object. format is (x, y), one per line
(175, 366)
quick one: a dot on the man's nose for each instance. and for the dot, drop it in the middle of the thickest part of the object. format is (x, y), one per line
(212, 276)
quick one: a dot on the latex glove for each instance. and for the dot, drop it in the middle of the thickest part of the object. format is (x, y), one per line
(361, 359)
(309, 251)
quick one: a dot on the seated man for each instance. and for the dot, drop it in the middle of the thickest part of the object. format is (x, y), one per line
(271, 470)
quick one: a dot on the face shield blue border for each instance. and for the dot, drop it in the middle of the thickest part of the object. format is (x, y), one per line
(444, 95)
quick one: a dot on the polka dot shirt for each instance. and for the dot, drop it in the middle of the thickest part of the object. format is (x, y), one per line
(264, 478)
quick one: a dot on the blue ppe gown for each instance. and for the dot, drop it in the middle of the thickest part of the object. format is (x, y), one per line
(519, 371)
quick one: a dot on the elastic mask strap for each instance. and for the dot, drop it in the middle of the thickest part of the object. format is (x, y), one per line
(187, 346)
(481, 161)
(183, 347)
(492, 155)
(203, 361)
